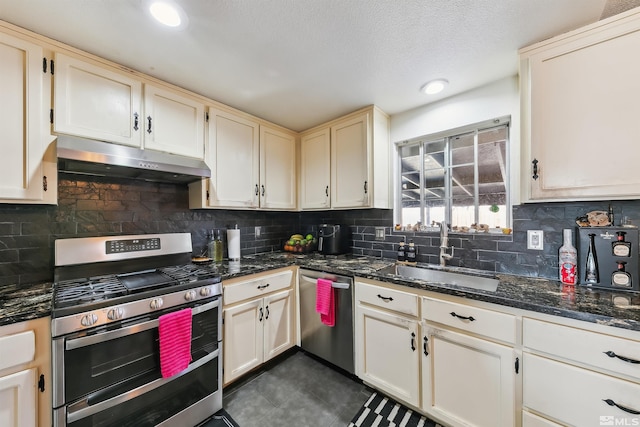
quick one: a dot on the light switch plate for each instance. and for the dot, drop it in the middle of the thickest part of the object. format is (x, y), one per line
(379, 233)
(535, 240)
(258, 231)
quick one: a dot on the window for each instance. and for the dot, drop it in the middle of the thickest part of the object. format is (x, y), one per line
(459, 176)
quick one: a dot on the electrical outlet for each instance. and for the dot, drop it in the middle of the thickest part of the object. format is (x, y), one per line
(535, 240)
(379, 233)
(258, 231)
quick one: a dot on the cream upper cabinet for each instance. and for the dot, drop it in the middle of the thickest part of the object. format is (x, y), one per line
(234, 157)
(95, 102)
(173, 123)
(350, 172)
(277, 169)
(25, 177)
(580, 111)
(315, 169)
(346, 163)
(252, 165)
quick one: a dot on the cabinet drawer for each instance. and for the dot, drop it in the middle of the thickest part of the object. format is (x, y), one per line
(476, 320)
(576, 396)
(531, 420)
(618, 355)
(256, 286)
(390, 299)
(17, 349)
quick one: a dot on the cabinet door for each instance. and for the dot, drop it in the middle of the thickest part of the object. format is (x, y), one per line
(315, 167)
(277, 169)
(278, 333)
(20, 109)
(173, 123)
(387, 353)
(243, 338)
(234, 155)
(18, 397)
(467, 380)
(584, 113)
(350, 177)
(95, 102)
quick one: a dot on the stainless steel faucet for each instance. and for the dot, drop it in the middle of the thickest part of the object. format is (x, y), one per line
(444, 244)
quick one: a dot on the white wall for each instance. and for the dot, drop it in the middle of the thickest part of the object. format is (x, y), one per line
(500, 98)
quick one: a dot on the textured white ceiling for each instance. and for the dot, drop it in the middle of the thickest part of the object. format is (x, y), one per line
(299, 63)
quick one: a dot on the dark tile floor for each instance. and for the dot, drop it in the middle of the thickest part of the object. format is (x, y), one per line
(296, 391)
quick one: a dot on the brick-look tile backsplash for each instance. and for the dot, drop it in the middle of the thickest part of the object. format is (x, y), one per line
(97, 206)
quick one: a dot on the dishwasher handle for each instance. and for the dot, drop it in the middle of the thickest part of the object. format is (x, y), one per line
(335, 285)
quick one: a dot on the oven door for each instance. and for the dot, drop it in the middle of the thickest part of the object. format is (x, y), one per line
(96, 370)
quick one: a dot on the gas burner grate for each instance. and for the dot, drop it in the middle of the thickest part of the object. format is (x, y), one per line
(188, 273)
(85, 290)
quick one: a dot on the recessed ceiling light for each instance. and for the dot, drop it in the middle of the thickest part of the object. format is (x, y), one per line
(434, 86)
(167, 13)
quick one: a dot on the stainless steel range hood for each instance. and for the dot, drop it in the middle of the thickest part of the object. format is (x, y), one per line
(90, 157)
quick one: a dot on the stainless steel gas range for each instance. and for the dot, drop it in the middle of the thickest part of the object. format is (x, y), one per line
(109, 296)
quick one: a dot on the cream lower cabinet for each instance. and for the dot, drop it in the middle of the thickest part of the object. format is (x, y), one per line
(25, 374)
(258, 321)
(469, 365)
(579, 377)
(387, 347)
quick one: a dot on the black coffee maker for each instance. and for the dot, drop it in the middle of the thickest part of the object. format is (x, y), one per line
(334, 239)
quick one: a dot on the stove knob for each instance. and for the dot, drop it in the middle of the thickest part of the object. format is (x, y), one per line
(205, 292)
(115, 313)
(156, 303)
(89, 319)
(190, 295)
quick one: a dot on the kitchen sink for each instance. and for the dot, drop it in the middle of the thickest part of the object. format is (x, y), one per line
(441, 276)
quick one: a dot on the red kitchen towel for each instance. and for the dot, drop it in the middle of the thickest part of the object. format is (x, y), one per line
(175, 342)
(325, 301)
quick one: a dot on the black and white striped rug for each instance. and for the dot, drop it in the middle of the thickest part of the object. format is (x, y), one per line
(381, 411)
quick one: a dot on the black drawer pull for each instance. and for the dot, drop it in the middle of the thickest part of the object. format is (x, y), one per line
(624, 359)
(413, 341)
(385, 299)
(424, 346)
(470, 318)
(260, 316)
(612, 403)
(263, 286)
(267, 316)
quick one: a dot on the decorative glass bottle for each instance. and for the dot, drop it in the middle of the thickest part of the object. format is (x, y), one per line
(591, 274)
(568, 256)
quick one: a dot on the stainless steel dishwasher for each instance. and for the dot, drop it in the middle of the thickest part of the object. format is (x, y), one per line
(333, 344)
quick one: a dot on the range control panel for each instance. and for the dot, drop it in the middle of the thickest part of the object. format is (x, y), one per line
(132, 245)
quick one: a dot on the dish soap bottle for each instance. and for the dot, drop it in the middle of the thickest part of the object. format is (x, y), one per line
(411, 253)
(402, 254)
(568, 256)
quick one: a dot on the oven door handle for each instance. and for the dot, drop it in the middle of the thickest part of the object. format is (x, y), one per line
(129, 330)
(82, 409)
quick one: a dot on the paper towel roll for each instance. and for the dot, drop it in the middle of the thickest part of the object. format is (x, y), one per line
(233, 244)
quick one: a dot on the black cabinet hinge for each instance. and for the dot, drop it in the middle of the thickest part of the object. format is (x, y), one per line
(44, 183)
(517, 365)
(41, 383)
(51, 116)
(51, 66)
(207, 195)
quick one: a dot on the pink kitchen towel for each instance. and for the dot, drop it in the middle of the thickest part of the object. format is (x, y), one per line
(175, 342)
(325, 302)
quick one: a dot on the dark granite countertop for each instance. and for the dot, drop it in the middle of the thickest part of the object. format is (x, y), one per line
(20, 303)
(604, 307)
